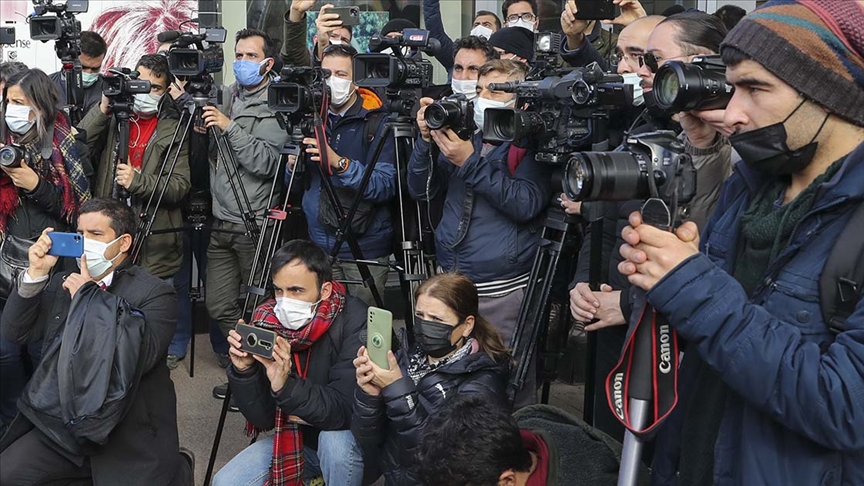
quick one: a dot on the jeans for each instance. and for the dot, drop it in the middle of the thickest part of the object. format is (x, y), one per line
(17, 364)
(337, 459)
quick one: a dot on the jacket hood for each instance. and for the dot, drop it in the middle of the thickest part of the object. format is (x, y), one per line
(371, 101)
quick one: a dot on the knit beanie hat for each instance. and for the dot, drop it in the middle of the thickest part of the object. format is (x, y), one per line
(397, 25)
(814, 46)
(515, 40)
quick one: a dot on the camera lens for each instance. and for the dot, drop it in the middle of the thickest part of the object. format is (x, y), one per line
(441, 114)
(684, 87)
(10, 157)
(252, 340)
(604, 176)
(500, 125)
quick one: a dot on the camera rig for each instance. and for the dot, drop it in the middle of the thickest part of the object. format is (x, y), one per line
(121, 86)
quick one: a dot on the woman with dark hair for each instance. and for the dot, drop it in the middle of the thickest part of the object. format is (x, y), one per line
(456, 352)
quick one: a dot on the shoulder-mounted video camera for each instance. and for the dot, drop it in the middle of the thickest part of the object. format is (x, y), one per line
(396, 70)
(298, 95)
(61, 26)
(699, 85)
(188, 56)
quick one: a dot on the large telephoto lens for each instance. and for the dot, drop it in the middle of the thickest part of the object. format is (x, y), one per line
(683, 87)
(605, 176)
(442, 114)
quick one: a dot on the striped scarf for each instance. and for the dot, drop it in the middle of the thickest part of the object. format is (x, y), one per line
(64, 172)
(286, 465)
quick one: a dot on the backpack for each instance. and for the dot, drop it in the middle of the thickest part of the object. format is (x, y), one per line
(842, 279)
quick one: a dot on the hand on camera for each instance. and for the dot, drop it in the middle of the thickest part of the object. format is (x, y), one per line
(105, 106)
(241, 360)
(421, 119)
(299, 9)
(586, 305)
(215, 118)
(41, 262)
(74, 281)
(631, 11)
(279, 367)
(452, 147)
(570, 206)
(702, 127)
(315, 153)
(22, 176)
(651, 253)
(125, 174)
(380, 378)
(363, 371)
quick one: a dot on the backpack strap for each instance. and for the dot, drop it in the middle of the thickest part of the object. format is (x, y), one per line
(842, 279)
(373, 123)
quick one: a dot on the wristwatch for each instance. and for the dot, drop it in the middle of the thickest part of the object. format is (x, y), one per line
(342, 164)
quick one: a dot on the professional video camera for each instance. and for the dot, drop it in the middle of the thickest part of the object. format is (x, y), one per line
(656, 158)
(455, 112)
(188, 57)
(63, 26)
(396, 71)
(121, 86)
(563, 113)
(11, 156)
(298, 95)
(700, 85)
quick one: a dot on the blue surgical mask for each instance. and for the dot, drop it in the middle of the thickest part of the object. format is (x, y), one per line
(146, 103)
(89, 79)
(248, 73)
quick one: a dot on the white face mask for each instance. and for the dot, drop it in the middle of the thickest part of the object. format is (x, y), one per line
(294, 314)
(340, 91)
(146, 103)
(336, 42)
(480, 106)
(467, 87)
(18, 118)
(89, 79)
(634, 80)
(522, 23)
(482, 31)
(94, 250)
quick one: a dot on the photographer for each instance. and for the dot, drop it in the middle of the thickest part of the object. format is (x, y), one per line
(354, 112)
(494, 201)
(93, 49)
(329, 31)
(767, 378)
(150, 141)
(485, 24)
(304, 392)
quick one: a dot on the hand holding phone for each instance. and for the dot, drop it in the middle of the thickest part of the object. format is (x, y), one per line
(70, 245)
(348, 15)
(255, 340)
(595, 10)
(379, 335)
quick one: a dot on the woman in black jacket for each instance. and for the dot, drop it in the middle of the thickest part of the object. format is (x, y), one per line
(456, 352)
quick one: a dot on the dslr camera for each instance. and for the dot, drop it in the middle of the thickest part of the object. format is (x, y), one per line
(396, 71)
(455, 112)
(11, 156)
(62, 26)
(648, 165)
(700, 85)
(298, 96)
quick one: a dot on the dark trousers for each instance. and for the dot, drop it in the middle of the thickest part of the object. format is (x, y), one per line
(17, 363)
(31, 460)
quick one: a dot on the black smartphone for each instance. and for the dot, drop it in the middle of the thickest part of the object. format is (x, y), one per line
(595, 9)
(256, 340)
(348, 15)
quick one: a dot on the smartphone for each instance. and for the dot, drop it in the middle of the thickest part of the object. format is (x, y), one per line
(7, 35)
(256, 340)
(595, 9)
(379, 335)
(348, 15)
(66, 244)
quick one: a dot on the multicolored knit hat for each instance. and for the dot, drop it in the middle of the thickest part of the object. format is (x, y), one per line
(815, 46)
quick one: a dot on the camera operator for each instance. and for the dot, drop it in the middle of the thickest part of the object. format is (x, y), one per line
(93, 49)
(514, 44)
(485, 24)
(329, 31)
(493, 205)
(769, 375)
(352, 110)
(76, 310)
(254, 137)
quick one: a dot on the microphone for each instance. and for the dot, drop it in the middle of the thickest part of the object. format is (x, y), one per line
(168, 36)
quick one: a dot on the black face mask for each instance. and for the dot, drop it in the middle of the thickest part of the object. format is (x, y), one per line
(766, 151)
(434, 337)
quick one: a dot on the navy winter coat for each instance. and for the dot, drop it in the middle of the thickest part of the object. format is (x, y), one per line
(796, 411)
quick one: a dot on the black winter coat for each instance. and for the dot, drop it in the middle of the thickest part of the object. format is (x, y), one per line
(389, 427)
(144, 448)
(323, 398)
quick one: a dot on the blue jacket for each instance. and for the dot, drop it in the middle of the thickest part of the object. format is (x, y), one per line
(346, 139)
(491, 223)
(796, 411)
(432, 16)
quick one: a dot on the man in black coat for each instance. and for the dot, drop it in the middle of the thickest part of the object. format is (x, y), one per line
(306, 390)
(143, 448)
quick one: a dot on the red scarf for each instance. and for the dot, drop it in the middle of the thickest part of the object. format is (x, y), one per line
(286, 465)
(534, 443)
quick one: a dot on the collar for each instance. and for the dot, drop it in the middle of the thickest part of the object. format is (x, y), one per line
(243, 94)
(352, 110)
(107, 280)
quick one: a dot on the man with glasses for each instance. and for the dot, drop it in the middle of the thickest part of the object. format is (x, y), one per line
(329, 31)
(632, 42)
(521, 13)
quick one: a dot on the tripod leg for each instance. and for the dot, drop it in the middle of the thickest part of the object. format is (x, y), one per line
(218, 438)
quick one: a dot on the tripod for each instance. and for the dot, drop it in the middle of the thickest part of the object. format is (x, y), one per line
(68, 51)
(122, 110)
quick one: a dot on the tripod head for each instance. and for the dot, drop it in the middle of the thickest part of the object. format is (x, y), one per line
(400, 102)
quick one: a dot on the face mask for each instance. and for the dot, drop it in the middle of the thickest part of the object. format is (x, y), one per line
(634, 80)
(94, 250)
(18, 118)
(294, 314)
(434, 337)
(248, 73)
(766, 151)
(522, 23)
(480, 106)
(336, 42)
(482, 31)
(89, 79)
(466, 87)
(146, 103)
(340, 91)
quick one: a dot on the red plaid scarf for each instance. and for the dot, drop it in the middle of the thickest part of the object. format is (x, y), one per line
(286, 465)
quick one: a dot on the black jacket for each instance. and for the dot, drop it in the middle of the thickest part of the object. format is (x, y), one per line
(323, 398)
(389, 427)
(143, 449)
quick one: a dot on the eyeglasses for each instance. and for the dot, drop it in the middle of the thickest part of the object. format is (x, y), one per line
(653, 63)
(527, 16)
(635, 62)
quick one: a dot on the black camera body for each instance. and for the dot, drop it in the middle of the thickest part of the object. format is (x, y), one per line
(63, 26)
(11, 156)
(188, 56)
(396, 71)
(699, 85)
(455, 112)
(298, 96)
(120, 87)
(626, 174)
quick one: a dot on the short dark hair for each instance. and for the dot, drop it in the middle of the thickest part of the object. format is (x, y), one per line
(730, 15)
(732, 56)
(470, 441)
(120, 216)
(508, 3)
(339, 50)
(475, 43)
(697, 31)
(92, 44)
(11, 68)
(271, 49)
(158, 65)
(486, 12)
(308, 253)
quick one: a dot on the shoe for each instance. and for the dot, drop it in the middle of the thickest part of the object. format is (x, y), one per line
(232, 407)
(224, 360)
(187, 456)
(220, 391)
(174, 361)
